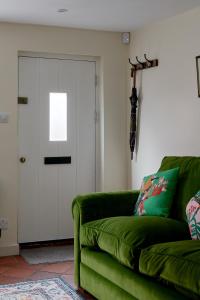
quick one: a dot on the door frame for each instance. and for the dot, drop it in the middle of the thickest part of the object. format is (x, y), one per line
(98, 107)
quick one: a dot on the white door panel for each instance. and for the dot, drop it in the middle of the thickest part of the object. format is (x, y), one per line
(47, 191)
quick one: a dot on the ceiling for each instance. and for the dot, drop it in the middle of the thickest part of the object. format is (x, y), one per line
(113, 15)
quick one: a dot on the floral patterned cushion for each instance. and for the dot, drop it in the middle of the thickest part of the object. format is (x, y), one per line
(193, 216)
(156, 194)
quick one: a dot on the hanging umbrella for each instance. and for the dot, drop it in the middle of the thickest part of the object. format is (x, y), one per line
(133, 120)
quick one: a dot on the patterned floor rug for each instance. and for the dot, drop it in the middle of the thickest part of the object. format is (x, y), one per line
(48, 289)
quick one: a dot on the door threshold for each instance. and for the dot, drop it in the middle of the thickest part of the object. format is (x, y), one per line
(54, 243)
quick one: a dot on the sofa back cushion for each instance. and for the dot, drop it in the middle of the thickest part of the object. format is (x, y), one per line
(188, 182)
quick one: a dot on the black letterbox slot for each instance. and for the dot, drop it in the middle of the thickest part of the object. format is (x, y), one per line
(57, 160)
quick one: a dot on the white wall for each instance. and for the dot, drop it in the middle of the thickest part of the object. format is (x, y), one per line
(113, 67)
(170, 107)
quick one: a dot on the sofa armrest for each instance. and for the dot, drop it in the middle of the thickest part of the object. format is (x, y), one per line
(103, 205)
(86, 208)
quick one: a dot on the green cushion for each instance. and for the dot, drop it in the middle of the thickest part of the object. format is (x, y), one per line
(156, 194)
(188, 182)
(175, 262)
(123, 237)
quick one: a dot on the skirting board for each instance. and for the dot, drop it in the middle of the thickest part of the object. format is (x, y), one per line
(9, 250)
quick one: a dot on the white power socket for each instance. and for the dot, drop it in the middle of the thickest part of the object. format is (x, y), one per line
(3, 223)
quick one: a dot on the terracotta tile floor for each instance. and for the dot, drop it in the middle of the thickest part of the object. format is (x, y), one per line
(15, 269)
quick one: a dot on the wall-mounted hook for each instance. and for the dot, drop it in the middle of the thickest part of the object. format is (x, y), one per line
(141, 65)
(149, 62)
(131, 62)
(140, 62)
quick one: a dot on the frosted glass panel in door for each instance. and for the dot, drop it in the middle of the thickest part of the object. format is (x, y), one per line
(57, 117)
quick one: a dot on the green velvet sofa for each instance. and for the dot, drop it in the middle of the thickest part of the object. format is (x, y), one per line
(119, 256)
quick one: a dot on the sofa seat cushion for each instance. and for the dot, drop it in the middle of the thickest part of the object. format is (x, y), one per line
(124, 237)
(138, 285)
(175, 262)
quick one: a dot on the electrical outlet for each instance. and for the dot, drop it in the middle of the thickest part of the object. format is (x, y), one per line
(3, 223)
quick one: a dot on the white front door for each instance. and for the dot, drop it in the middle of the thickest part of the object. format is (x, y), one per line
(56, 144)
